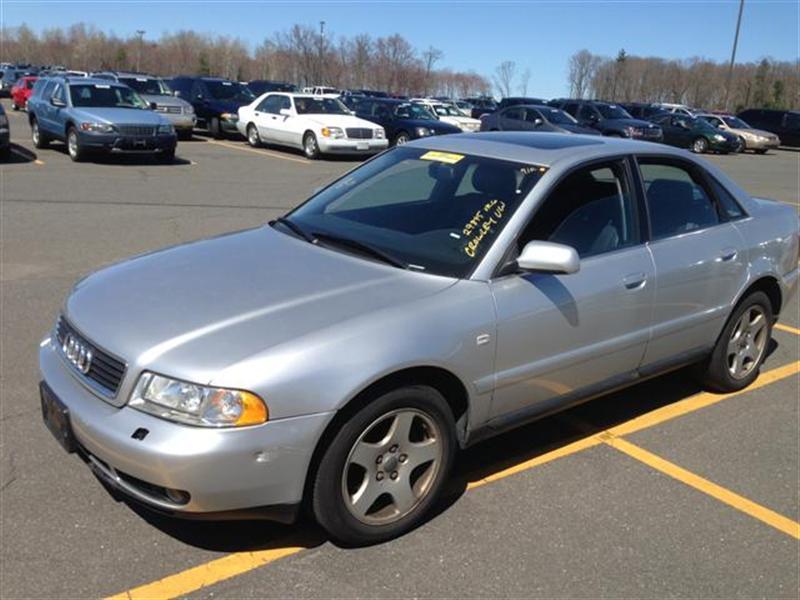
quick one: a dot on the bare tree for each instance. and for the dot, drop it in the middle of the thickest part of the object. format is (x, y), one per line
(582, 67)
(431, 56)
(524, 79)
(504, 76)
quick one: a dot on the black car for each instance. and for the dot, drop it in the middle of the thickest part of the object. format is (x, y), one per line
(5, 139)
(481, 105)
(402, 120)
(216, 101)
(644, 110)
(784, 123)
(610, 119)
(518, 100)
(696, 134)
(262, 86)
(533, 118)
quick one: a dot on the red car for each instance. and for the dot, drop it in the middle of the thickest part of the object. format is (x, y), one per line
(21, 91)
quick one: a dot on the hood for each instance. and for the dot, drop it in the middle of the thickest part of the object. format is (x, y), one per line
(342, 121)
(577, 129)
(630, 123)
(194, 309)
(122, 116)
(438, 126)
(223, 106)
(164, 100)
(753, 132)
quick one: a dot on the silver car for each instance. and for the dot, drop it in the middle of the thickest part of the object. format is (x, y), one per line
(442, 292)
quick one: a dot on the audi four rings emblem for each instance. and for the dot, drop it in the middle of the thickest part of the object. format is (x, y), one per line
(77, 353)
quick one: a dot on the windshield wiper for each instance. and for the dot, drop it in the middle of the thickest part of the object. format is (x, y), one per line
(289, 224)
(362, 247)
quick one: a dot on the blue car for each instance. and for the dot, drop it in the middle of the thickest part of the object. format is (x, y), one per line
(216, 101)
(97, 115)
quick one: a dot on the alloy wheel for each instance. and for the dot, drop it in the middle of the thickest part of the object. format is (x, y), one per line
(252, 136)
(72, 144)
(310, 146)
(392, 466)
(747, 342)
(35, 133)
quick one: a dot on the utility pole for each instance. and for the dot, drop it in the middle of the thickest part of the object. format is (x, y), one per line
(140, 33)
(321, 71)
(733, 55)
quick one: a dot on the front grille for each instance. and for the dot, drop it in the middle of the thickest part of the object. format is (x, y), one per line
(137, 129)
(359, 133)
(174, 110)
(648, 131)
(105, 371)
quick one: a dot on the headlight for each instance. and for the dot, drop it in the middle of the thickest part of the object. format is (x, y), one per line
(97, 127)
(229, 117)
(423, 131)
(195, 404)
(332, 132)
(719, 138)
(166, 128)
(188, 109)
(630, 131)
(380, 134)
(160, 108)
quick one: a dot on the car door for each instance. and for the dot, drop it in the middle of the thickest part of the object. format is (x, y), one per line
(512, 119)
(560, 337)
(790, 129)
(200, 100)
(289, 128)
(698, 255)
(56, 115)
(265, 118)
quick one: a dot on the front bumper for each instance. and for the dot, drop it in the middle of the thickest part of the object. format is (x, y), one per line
(229, 125)
(222, 470)
(724, 146)
(350, 146)
(761, 144)
(182, 122)
(114, 142)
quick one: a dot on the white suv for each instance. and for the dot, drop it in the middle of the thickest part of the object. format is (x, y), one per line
(315, 124)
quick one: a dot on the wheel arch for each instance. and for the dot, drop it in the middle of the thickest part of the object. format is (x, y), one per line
(444, 381)
(770, 286)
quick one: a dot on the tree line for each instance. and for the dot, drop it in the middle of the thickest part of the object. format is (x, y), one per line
(301, 55)
(695, 81)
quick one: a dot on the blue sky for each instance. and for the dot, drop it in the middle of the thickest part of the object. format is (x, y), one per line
(539, 35)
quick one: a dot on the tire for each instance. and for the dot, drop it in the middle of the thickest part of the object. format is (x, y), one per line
(14, 106)
(402, 479)
(184, 135)
(745, 338)
(214, 128)
(742, 146)
(310, 146)
(76, 153)
(39, 138)
(699, 145)
(252, 136)
(401, 138)
(761, 151)
(168, 156)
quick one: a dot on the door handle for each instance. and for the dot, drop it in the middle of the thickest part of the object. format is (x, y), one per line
(258, 114)
(634, 281)
(728, 254)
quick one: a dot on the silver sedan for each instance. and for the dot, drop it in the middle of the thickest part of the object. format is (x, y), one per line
(442, 292)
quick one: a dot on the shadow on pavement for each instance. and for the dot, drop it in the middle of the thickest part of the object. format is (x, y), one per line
(18, 155)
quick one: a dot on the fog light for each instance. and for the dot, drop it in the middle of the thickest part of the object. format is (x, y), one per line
(177, 496)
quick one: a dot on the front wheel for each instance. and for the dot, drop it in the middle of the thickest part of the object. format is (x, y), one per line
(761, 151)
(402, 138)
(386, 467)
(214, 128)
(76, 152)
(742, 146)
(310, 146)
(700, 145)
(742, 346)
(252, 136)
(168, 156)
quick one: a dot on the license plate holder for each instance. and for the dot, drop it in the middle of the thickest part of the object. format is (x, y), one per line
(362, 146)
(56, 418)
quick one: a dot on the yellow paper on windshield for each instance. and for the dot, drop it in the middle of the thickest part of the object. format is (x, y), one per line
(445, 157)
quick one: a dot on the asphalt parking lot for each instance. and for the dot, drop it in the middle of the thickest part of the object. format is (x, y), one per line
(660, 490)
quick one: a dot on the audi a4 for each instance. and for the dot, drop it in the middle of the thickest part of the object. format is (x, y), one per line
(444, 291)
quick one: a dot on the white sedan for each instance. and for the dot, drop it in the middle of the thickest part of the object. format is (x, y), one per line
(315, 124)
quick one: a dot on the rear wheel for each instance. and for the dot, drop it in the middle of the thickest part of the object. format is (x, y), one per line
(700, 145)
(76, 152)
(39, 138)
(252, 136)
(386, 467)
(742, 347)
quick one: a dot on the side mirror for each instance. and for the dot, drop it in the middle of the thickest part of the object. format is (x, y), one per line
(177, 93)
(286, 112)
(548, 257)
(57, 102)
(537, 122)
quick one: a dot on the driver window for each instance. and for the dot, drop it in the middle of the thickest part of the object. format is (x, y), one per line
(592, 210)
(531, 115)
(197, 90)
(513, 113)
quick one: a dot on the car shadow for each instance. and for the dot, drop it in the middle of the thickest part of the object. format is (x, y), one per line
(123, 160)
(18, 155)
(477, 462)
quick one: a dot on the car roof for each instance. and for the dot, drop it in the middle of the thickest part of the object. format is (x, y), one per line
(544, 149)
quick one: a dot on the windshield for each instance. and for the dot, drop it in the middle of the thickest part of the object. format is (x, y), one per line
(100, 95)
(228, 90)
(700, 124)
(447, 110)
(147, 85)
(735, 123)
(438, 212)
(413, 111)
(319, 106)
(612, 111)
(558, 117)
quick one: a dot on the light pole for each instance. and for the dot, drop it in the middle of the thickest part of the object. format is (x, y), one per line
(320, 71)
(140, 33)
(733, 55)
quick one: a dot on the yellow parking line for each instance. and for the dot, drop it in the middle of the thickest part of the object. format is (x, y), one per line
(259, 152)
(718, 492)
(783, 327)
(232, 565)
